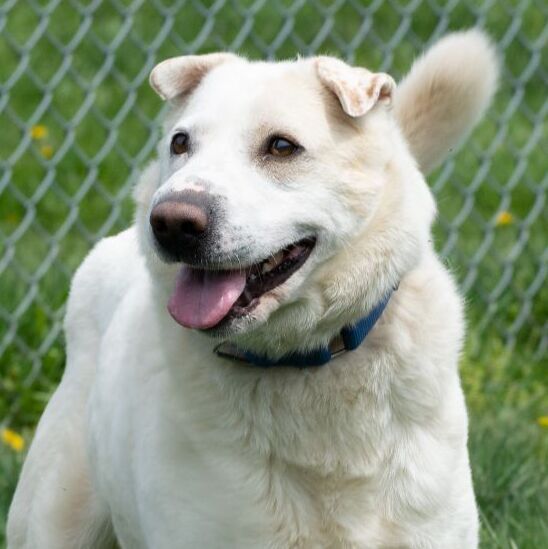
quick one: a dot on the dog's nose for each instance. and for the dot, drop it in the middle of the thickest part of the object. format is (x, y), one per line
(178, 220)
(180, 224)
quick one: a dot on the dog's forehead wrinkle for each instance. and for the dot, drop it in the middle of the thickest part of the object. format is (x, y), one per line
(255, 89)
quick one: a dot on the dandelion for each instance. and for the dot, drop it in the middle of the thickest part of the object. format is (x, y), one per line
(38, 132)
(543, 421)
(46, 151)
(12, 439)
(503, 219)
(13, 218)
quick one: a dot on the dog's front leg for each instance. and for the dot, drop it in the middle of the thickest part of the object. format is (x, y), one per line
(55, 505)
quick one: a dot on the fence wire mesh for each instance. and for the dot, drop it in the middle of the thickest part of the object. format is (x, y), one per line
(79, 121)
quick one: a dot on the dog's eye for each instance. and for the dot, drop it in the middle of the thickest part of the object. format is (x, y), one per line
(179, 143)
(279, 146)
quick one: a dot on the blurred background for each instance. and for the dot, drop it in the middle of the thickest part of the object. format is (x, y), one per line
(79, 121)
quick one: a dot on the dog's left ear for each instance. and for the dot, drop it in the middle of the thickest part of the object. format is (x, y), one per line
(357, 89)
(179, 76)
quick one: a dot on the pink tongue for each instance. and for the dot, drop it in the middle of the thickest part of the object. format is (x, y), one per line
(202, 299)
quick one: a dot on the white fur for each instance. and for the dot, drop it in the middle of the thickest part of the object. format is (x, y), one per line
(445, 94)
(358, 89)
(152, 439)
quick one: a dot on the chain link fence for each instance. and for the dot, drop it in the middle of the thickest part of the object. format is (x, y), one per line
(78, 121)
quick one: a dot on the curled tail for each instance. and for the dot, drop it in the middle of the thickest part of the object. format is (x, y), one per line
(445, 94)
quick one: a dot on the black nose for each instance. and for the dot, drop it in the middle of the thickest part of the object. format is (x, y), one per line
(181, 224)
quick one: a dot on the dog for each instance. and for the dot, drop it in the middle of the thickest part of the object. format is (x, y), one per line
(268, 356)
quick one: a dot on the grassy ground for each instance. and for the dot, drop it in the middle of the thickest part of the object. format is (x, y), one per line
(61, 192)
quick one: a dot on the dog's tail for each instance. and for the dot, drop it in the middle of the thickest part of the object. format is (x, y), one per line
(445, 94)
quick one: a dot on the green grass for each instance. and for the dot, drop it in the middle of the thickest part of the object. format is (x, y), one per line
(90, 179)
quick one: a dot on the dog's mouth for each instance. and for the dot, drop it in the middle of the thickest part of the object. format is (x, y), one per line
(205, 298)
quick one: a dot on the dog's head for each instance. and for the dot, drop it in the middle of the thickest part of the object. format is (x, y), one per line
(285, 200)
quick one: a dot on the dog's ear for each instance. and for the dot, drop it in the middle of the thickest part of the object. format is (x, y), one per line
(179, 76)
(357, 89)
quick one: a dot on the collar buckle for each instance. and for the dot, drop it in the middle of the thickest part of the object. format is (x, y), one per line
(337, 347)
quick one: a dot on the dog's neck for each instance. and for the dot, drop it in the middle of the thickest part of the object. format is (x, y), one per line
(309, 418)
(347, 339)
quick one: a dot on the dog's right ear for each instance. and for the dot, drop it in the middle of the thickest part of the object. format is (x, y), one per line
(179, 76)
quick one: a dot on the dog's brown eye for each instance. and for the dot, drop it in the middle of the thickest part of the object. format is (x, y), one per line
(279, 146)
(179, 143)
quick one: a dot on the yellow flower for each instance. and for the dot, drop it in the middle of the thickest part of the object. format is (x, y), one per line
(504, 218)
(38, 132)
(46, 151)
(543, 421)
(12, 439)
(13, 218)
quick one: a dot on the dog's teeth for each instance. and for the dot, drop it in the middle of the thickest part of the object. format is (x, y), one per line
(273, 262)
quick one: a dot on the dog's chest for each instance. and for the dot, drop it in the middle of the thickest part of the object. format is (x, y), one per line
(165, 490)
(190, 459)
(171, 472)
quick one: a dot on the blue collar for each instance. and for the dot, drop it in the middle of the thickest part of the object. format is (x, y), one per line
(349, 338)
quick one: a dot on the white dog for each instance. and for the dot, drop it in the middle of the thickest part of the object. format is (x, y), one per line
(287, 219)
